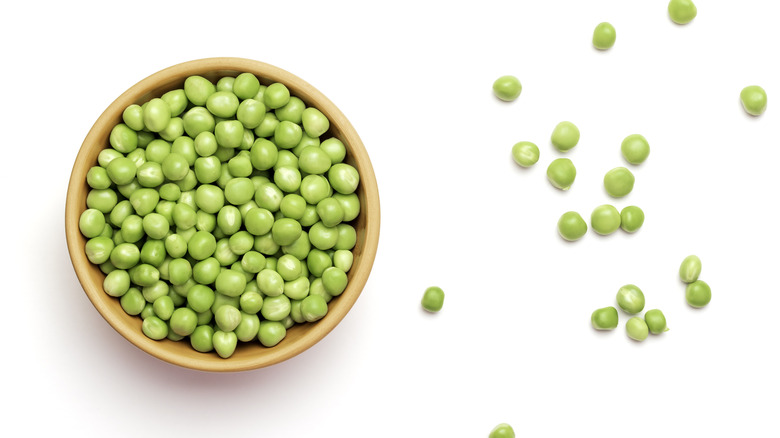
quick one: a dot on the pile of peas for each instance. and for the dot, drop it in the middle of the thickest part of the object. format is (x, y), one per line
(221, 213)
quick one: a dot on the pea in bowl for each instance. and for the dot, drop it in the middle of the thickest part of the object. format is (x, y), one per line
(164, 226)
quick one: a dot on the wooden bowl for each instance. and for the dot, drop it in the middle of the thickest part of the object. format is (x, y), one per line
(248, 355)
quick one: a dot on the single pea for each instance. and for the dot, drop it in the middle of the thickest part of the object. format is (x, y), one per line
(138, 157)
(433, 299)
(116, 283)
(288, 267)
(229, 134)
(635, 149)
(525, 153)
(334, 280)
(604, 36)
(201, 339)
(656, 321)
(153, 252)
(753, 100)
(605, 219)
(267, 126)
(240, 166)
(698, 294)
(227, 318)
(157, 150)
(297, 289)
(276, 95)
(144, 275)
(144, 201)
(251, 113)
(318, 261)
(209, 198)
(287, 134)
(682, 11)
(314, 122)
(125, 256)
(127, 190)
(285, 231)
(503, 430)
(343, 178)
(230, 283)
(133, 302)
(258, 221)
(263, 154)
(147, 310)
(223, 104)
(102, 200)
(636, 328)
(248, 327)
(175, 167)
(198, 89)
(246, 86)
(225, 83)
(270, 282)
(561, 173)
(690, 269)
(97, 178)
(251, 302)
(133, 116)
(507, 88)
(317, 288)
(314, 188)
(266, 245)
(132, 229)
(270, 333)
(565, 136)
(155, 291)
(173, 130)
(154, 328)
(313, 308)
(351, 205)
(155, 226)
(201, 245)
(224, 343)
(206, 270)
(275, 308)
(619, 182)
(335, 149)
(150, 174)
(176, 100)
(163, 307)
(144, 138)
(157, 114)
(229, 220)
(292, 111)
(314, 160)
(123, 139)
(293, 206)
(330, 212)
(347, 238)
(198, 121)
(631, 218)
(253, 261)
(269, 197)
(631, 299)
(322, 237)
(343, 259)
(571, 226)
(92, 222)
(288, 179)
(605, 318)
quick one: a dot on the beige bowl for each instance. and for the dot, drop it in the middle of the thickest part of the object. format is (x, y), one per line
(249, 355)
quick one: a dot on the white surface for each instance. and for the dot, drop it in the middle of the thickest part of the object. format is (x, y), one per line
(513, 342)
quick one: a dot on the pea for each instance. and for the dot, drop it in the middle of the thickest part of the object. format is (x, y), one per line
(297, 289)
(656, 321)
(97, 178)
(144, 275)
(561, 173)
(313, 308)
(314, 122)
(229, 134)
(154, 328)
(276, 95)
(698, 294)
(201, 338)
(116, 283)
(335, 149)
(287, 134)
(275, 308)
(619, 182)
(343, 178)
(565, 136)
(433, 299)
(314, 160)
(690, 269)
(571, 226)
(92, 222)
(267, 126)
(201, 245)
(330, 212)
(102, 200)
(350, 204)
(605, 219)
(682, 11)
(503, 430)
(224, 343)
(288, 179)
(270, 333)
(176, 100)
(223, 104)
(133, 301)
(209, 198)
(525, 153)
(198, 89)
(227, 318)
(631, 299)
(635, 149)
(507, 88)
(133, 116)
(605, 318)
(248, 327)
(206, 270)
(157, 114)
(123, 138)
(292, 111)
(246, 85)
(286, 231)
(125, 256)
(631, 219)
(753, 100)
(604, 36)
(343, 259)
(636, 328)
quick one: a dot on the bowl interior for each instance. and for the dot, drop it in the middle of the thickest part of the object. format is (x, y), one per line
(247, 355)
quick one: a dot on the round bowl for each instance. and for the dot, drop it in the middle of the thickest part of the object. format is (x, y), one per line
(248, 355)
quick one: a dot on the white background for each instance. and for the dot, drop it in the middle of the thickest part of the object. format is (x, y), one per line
(513, 342)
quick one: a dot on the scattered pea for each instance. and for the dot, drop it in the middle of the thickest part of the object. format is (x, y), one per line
(604, 36)
(698, 294)
(433, 299)
(605, 318)
(571, 226)
(605, 219)
(753, 100)
(682, 11)
(636, 328)
(561, 173)
(507, 88)
(656, 321)
(619, 182)
(503, 430)
(690, 269)
(631, 299)
(565, 136)
(631, 219)
(525, 153)
(635, 149)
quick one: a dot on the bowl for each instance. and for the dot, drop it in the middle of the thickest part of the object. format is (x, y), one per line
(248, 355)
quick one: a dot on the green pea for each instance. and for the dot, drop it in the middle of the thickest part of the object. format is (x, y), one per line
(92, 222)
(322, 237)
(198, 89)
(314, 122)
(635, 149)
(270, 333)
(150, 174)
(753, 100)
(155, 225)
(258, 221)
(138, 157)
(269, 197)
(144, 201)
(132, 229)
(229, 220)
(313, 308)
(507, 88)
(180, 271)
(287, 134)
(619, 182)
(525, 153)
(561, 173)
(201, 339)
(224, 343)
(248, 327)
(433, 299)
(246, 85)
(223, 254)
(604, 36)
(123, 139)
(127, 190)
(292, 111)
(315, 188)
(631, 299)
(102, 200)
(176, 100)
(144, 275)
(288, 179)
(201, 245)
(97, 178)
(240, 166)
(144, 138)
(222, 104)
(147, 311)
(656, 321)
(631, 218)
(295, 311)
(335, 150)
(230, 283)
(300, 248)
(276, 95)
(334, 280)
(153, 252)
(605, 219)
(107, 155)
(690, 269)
(318, 289)
(125, 256)
(292, 206)
(682, 11)
(503, 430)
(133, 301)
(285, 231)
(207, 169)
(318, 261)
(120, 212)
(698, 294)
(157, 150)
(227, 318)
(229, 134)
(275, 308)
(226, 83)
(209, 198)
(350, 204)
(155, 291)
(175, 167)
(133, 116)
(571, 226)
(263, 154)
(636, 328)
(154, 328)
(330, 212)
(270, 282)
(267, 126)
(605, 318)
(157, 114)
(266, 245)
(309, 216)
(116, 283)
(173, 130)
(343, 259)
(253, 261)
(163, 307)
(297, 289)
(343, 178)
(565, 136)
(206, 270)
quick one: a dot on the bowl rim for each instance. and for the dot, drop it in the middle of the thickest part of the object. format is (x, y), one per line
(221, 66)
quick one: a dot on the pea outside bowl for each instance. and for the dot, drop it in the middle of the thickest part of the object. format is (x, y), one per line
(248, 355)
